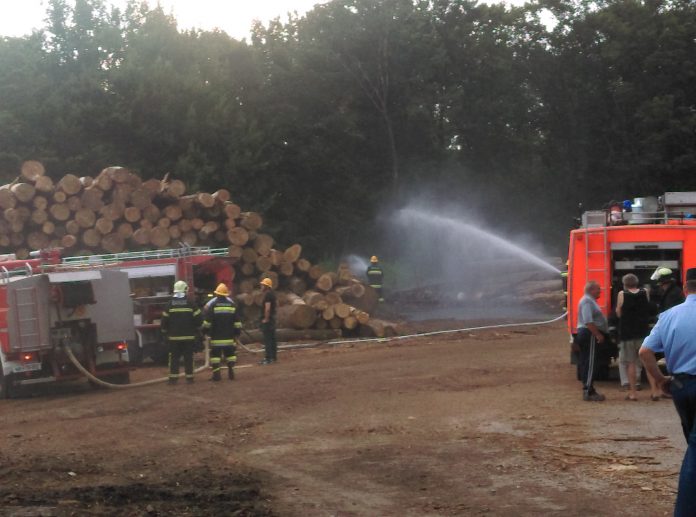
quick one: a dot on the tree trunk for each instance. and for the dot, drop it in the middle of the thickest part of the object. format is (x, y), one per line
(32, 170)
(24, 192)
(44, 184)
(251, 221)
(70, 184)
(296, 315)
(59, 212)
(238, 236)
(292, 254)
(113, 243)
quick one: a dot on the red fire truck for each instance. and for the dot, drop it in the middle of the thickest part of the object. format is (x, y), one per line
(633, 237)
(107, 308)
(44, 309)
(151, 275)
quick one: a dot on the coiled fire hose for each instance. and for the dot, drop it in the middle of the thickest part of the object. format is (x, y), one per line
(335, 342)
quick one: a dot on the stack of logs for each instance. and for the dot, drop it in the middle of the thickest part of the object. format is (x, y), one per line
(314, 299)
(113, 212)
(117, 211)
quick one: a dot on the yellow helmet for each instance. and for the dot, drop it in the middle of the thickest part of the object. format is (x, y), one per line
(374, 259)
(222, 290)
(267, 282)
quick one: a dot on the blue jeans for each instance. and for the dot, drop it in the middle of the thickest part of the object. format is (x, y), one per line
(684, 393)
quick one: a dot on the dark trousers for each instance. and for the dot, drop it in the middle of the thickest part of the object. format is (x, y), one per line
(587, 359)
(177, 350)
(684, 394)
(380, 294)
(220, 352)
(269, 340)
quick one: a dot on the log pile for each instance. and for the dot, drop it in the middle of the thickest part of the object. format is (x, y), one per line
(117, 211)
(310, 298)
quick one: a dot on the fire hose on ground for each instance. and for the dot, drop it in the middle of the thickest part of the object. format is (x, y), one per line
(335, 342)
(84, 371)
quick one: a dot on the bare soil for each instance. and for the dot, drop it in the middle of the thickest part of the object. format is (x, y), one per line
(488, 423)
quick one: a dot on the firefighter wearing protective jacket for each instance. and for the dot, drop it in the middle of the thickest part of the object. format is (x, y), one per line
(223, 326)
(671, 294)
(375, 277)
(180, 323)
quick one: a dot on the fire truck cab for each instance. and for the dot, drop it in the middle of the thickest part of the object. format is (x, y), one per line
(44, 309)
(633, 237)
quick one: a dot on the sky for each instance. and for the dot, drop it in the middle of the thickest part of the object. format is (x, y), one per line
(19, 17)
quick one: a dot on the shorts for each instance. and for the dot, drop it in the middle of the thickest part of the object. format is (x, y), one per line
(628, 350)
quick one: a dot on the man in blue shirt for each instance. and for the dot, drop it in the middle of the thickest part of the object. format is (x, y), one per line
(592, 331)
(675, 336)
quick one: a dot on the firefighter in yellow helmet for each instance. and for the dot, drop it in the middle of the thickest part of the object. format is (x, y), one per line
(375, 276)
(223, 325)
(268, 322)
(180, 323)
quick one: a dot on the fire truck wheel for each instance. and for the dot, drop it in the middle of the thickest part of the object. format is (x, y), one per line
(7, 386)
(160, 356)
(135, 353)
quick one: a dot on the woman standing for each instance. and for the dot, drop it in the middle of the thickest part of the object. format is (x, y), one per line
(633, 311)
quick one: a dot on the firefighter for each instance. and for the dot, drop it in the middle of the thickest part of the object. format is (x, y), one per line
(375, 276)
(223, 326)
(268, 322)
(180, 323)
(672, 294)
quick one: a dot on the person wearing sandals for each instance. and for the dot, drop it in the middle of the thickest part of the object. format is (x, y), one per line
(633, 311)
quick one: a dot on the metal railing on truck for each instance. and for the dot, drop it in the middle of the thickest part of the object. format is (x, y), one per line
(7, 274)
(133, 256)
(599, 218)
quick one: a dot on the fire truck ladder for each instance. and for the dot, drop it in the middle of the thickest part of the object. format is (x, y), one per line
(597, 246)
(26, 302)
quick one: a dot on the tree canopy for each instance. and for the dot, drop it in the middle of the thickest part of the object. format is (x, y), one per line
(322, 121)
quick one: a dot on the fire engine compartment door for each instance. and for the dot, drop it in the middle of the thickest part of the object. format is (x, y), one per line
(28, 317)
(644, 246)
(113, 310)
(628, 256)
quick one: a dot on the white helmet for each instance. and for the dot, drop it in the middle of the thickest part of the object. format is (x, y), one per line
(661, 273)
(180, 287)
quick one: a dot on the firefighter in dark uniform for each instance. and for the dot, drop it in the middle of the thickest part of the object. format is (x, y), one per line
(268, 322)
(375, 277)
(181, 321)
(223, 326)
(672, 294)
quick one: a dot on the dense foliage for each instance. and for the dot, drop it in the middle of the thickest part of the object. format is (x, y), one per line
(323, 121)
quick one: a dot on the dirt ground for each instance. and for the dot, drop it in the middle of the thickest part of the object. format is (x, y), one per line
(490, 423)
